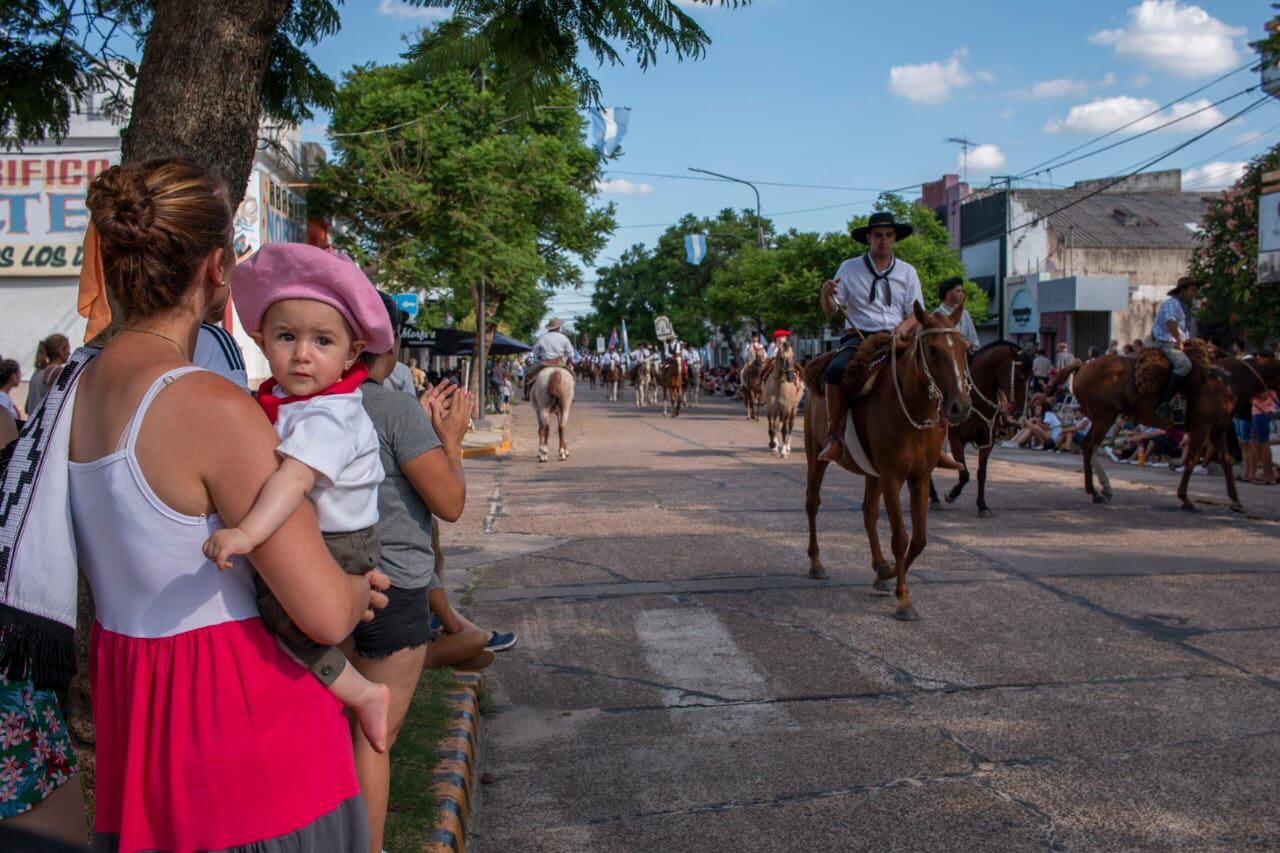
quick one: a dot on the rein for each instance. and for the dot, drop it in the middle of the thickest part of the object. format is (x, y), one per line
(996, 411)
(935, 393)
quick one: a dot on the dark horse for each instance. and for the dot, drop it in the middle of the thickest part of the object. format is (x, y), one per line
(998, 375)
(898, 436)
(1107, 387)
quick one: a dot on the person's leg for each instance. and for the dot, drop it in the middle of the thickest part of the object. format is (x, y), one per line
(400, 672)
(833, 448)
(1181, 369)
(461, 641)
(59, 817)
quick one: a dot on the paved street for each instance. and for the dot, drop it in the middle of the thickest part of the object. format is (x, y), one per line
(1082, 678)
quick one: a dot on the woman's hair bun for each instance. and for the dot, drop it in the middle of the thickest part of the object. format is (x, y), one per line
(122, 207)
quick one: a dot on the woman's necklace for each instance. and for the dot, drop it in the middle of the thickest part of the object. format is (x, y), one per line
(180, 347)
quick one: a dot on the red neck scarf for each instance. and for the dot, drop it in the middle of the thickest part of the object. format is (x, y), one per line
(349, 382)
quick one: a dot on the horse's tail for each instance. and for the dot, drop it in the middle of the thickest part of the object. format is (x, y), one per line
(1061, 379)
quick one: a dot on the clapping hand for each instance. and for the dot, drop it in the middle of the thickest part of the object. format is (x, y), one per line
(449, 408)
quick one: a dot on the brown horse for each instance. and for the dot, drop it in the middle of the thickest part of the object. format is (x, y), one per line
(612, 381)
(783, 389)
(998, 375)
(893, 436)
(753, 385)
(671, 377)
(1107, 388)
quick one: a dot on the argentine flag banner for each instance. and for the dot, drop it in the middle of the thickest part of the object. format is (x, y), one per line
(609, 126)
(695, 247)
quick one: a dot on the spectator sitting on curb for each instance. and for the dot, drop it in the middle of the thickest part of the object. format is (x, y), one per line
(1073, 436)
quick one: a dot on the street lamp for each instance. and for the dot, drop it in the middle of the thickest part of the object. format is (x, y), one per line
(759, 220)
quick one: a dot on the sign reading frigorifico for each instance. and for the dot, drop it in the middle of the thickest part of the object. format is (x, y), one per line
(42, 211)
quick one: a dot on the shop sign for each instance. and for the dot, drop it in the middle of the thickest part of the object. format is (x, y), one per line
(42, 211)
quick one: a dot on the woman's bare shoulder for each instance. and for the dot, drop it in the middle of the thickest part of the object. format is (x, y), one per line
(218, 408)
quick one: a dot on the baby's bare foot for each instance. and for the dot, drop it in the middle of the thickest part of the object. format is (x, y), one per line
(371, 711)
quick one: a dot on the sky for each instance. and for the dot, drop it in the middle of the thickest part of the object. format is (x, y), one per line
(854, 98)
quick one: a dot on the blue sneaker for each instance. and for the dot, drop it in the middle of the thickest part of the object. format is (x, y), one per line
(500, 642)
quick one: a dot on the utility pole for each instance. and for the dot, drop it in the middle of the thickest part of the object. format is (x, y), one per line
(1006, 257)
(965, 144)
(478, 357)
(759, 219)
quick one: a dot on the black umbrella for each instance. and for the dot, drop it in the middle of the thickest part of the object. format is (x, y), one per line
(458, 342)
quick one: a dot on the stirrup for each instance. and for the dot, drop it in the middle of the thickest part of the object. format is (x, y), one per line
(832, 450)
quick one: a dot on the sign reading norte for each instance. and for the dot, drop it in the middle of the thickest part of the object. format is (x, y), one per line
(42, 211)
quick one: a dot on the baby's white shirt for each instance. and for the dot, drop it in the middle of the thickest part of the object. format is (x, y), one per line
(333, 435)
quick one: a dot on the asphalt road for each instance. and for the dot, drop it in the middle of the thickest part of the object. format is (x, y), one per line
(1083, 677)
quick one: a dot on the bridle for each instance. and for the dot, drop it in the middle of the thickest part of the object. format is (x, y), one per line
(996, 410)
(935, 393)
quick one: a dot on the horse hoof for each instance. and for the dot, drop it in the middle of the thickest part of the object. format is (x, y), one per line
(906, 614)
(949, 498)
(882, 585)
(985, 513)
(1098, 498)
(1237, 507)
(935, 505)
(885, 569)
(818, 572)
(1188, 506)
(1108, 494)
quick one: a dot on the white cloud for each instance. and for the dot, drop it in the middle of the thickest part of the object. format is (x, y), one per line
(1170, 36)
(986, 76)
(985, 159)
(932, 82)
(1137, 81)
(1247, 137)
(622, 186)
(1213, 176)
(1109, 80)
(1058, 88)
(1107, 114)
(401, 9)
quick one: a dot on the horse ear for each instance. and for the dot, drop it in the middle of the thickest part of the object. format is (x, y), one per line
(918, 310)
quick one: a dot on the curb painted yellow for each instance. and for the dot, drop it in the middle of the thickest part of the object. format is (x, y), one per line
(454, 774)
(489, 450)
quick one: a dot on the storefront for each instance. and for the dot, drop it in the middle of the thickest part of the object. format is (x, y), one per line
(1077, 310)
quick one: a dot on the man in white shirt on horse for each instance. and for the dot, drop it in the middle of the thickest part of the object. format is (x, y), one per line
(552, 349)
(877, 292)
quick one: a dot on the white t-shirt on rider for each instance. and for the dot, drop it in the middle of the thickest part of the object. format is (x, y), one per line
(853, 290)
(553, 345)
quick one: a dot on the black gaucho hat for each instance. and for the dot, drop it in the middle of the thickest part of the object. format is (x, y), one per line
(902, 230)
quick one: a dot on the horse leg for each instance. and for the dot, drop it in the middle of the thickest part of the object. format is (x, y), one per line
(1224, 456)
(957, 453)
(812, 500)
(984, 454)
(919, 525)
(1090, 444)
(773, 438)
(561, 422)
(870, 519)
(544, 431)
(1196, 444)
(900, 542)
(788, 423)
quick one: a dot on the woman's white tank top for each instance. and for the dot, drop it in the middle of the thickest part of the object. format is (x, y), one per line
(142, 557)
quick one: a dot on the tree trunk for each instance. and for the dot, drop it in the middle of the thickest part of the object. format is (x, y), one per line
(477, 367)
(200, 85)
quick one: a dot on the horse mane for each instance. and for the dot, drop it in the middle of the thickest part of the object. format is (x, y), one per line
(995, 345)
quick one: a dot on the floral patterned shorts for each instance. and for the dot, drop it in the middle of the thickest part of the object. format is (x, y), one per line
(35, 748)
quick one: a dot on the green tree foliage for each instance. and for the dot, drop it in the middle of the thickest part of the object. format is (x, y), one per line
(1227, 258)
(540, 42)
(55, 51)
(444, 189)
(652, 282)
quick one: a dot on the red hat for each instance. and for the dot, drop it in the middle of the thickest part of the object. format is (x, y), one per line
(280, 271)
(781, 333)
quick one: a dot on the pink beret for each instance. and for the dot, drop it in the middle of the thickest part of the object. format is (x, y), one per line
(280, 271)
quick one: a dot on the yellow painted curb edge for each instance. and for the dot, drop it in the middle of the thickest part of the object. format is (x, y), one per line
(453, 777)
(491, 450)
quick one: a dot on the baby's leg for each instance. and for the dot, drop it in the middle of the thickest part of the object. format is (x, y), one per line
(369, 700)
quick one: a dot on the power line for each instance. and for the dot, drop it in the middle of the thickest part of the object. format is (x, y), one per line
(880, 190)
(1127, 125)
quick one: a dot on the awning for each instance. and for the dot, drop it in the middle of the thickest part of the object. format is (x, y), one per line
(458, 342)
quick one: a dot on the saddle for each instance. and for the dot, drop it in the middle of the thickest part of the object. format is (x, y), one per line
(1151, 371)
(869, 361)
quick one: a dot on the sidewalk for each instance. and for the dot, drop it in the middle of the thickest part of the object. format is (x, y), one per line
(494, 441)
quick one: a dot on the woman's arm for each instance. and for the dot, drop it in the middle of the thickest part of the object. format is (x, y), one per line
(237, 459)
(284, 491)
(437, 475)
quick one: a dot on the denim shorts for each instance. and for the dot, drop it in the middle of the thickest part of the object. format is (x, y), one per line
(1262, 428)
(1244, 428)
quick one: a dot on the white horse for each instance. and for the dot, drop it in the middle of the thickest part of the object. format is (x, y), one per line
(552, 393)
(612, 381)
(644, 382)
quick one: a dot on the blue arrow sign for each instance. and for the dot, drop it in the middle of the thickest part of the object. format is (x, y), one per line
(408, 303)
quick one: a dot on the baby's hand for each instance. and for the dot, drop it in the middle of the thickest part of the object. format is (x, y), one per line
(225, 544)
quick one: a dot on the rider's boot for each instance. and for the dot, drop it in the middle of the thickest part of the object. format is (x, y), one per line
(1164, 410)
(833, 449)
(945, 460)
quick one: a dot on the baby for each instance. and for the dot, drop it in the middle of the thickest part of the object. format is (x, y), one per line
(312, 313)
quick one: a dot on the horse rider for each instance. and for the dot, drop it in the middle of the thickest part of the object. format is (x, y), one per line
(552, 350)
(749, 351)
(877, 292)
(1170, 331)
(780, 337)
(951, 295)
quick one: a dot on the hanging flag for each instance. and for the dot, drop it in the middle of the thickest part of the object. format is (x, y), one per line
(613, 337)
(695, 247)
(626, 345)
(610, 125)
